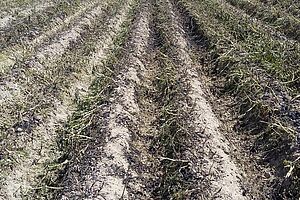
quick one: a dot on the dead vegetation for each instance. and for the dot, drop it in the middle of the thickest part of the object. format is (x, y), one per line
(257, 74)
(85, 131)
(103, 99)
(59, 85)
(31, 26)
(281, 20)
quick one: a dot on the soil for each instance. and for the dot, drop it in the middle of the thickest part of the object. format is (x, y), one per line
(111, 148)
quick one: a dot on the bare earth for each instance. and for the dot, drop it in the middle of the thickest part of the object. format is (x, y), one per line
(87, 105)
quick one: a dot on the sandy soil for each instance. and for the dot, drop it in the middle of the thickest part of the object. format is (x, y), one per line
(110, 133)
(42, 149)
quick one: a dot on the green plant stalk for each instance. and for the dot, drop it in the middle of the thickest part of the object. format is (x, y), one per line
(36, 21)
(255, 90)
(172, 127)
(280, 20)
(54, 82)
(75, 135)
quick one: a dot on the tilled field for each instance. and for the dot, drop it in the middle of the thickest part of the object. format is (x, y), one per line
(149, 99)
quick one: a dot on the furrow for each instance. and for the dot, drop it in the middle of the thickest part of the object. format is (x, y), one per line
(209, 161)
(6, 20)
(48, 54)
(31, 26)
(107, 171)
(149, 99)
(284, 24)
(42, 149)
(56, 49)
(58, 24)
(23, 51)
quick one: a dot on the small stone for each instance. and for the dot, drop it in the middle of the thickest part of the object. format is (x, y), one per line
(267, 175)
(19, 129)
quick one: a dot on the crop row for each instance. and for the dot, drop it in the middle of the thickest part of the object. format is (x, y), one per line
(290, 6)
(261, 71)
(32, 25)
(47, 93)
(277, 18)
